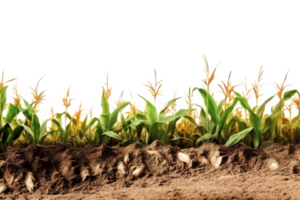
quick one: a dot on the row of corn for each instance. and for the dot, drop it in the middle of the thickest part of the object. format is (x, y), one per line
(225, 121)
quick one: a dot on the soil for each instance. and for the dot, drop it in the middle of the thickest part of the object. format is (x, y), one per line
(157, 171)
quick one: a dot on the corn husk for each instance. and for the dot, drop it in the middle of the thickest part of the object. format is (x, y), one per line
(96, 170)
(30, 182)
(203, 160)
(84, 172)
(216, 160)
(122, 169)
(3, 186)
(152, 152)
(126, 159)
(184, 158)
(2, 163)
(138, 172)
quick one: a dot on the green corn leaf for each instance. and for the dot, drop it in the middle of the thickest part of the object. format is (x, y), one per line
(59, 115)
(139, 128)
(266, 144)
(238, 136)
(104, 139)
(204, 119)
(225, 117)
(11, 135)
(130, 119)
(139, 122)
(172, 119)
(254, 109)
(3, 98)
(74, 139)
(288, 94)
(114, 115)
(17, 132)
(268, 123)
(261, 109)
(202, 131)
(212, 127)
(280, 105)
(191, 120)
(255, 122)
(205, 137)
(74, 121)
(269, 127)
(6, 144)
(191, 91)
(104, 105)
(220, 105)
(128, 141)
(43, 127)
(212, 105)
(180, 113)
(97, 135)
(140, 116)
(104, 118)
(66, 134)
(43, 137)
(20, 108)
(113, 135)
(11, 113)
(2, 102)
(278, 108)
(227, 127)
(170, 127)
(11, 80)
(125, 123)
(28, 130)
(4, 132)
(241, 124)
(172, 102)
(35, 128)
(153, 133)
(297, 133)
(28, 111)
(19, 121)
(256, 134)
(58, 125)
(88, 138)
(151, 111)
(91, 123)
(83, 125)
(181, 138)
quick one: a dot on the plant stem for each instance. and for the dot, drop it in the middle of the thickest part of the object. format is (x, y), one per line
(247, 137)
(256, 101)
(280, 122)
(279, 128)
(207, 109)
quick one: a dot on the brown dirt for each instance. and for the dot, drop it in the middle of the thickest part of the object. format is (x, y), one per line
(214, 172)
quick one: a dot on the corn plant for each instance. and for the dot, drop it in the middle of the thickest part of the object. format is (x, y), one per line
(219, 122)
(222, 123)
(152, 121)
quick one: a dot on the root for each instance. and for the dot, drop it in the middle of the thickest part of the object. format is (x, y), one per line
(126, 159)
(3, 186)
(84, 172)
(122, 169)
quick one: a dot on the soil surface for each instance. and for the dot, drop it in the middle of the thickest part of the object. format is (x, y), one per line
(158, 171)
